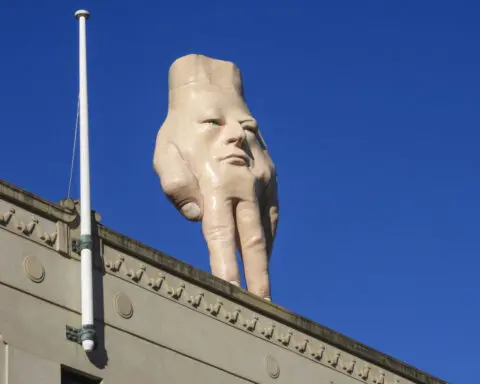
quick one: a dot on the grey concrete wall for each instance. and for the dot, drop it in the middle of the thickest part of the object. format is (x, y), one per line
(162, 339)
(157, 320)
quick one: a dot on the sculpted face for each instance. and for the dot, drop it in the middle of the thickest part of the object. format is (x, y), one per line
(214, 167)
(221, 126)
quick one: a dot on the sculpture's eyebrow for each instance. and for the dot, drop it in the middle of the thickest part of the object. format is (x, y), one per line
(211, 113)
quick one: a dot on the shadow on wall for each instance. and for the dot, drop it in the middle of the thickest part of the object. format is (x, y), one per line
(99, 356)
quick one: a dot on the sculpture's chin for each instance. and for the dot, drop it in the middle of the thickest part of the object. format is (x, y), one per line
(191, 211)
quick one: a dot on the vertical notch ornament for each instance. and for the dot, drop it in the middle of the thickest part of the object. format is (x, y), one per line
(156, 283)
(176, 293)
(195, 300)
(5, 218)
(214, 309)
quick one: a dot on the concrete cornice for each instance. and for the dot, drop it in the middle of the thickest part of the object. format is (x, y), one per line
(35, 203)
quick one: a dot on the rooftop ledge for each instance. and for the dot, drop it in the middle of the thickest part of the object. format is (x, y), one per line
(68, 214)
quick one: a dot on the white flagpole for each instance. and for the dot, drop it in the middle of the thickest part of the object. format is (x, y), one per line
(88, 329)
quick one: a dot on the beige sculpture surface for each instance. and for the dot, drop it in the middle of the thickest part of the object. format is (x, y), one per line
(215, 168)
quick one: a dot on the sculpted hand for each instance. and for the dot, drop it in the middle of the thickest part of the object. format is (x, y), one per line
(214, 167)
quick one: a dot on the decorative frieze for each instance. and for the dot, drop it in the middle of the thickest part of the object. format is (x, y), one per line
(174, 288)
(380, 379)
(334, 359)
(195, 300)
(49, 238)
(285, 339)
(268, 331)
(214, 309)
(5, 218)
(318, 354)
(350, 366)
(136, 274)
(302, 347)
(114, 266)
(232, 317)
(31, 226)
(156, 283)
(364, 373)
(176, 292)
(251, 324)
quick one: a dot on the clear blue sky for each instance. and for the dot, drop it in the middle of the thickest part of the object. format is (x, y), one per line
(371, 114)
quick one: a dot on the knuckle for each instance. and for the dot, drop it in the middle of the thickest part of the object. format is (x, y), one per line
(218, 233)
(173, 185)
(256, 240)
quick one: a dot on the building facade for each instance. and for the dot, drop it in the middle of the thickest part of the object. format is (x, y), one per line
(158, 320)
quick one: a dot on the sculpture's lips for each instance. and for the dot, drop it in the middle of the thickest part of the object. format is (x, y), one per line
(237, 158)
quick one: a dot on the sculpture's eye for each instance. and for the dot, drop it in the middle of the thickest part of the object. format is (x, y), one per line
(250, 126)
(214, 122)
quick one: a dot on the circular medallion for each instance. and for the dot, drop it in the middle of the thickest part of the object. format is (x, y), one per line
(123, 305)
(272, 367)
(34, 269)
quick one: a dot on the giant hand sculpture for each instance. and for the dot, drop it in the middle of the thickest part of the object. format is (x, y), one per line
(214, 167)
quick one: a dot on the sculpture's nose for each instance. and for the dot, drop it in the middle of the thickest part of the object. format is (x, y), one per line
(235, 134)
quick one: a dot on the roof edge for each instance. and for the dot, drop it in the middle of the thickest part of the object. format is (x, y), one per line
(36, 203)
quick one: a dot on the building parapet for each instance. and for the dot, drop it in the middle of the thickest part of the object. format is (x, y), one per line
(120, 258)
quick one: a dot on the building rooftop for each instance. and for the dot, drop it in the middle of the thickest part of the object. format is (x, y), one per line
(287, 329)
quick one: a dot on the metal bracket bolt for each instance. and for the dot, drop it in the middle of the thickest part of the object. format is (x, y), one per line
(85, 242)
(78, 335)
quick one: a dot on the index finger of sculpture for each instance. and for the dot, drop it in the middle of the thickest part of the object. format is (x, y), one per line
(177, 181)
(219, 231)
(253, 248)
